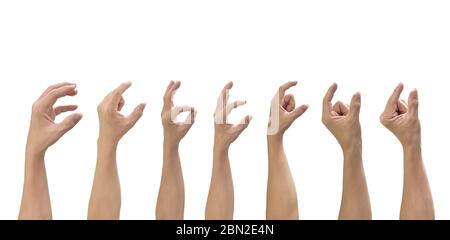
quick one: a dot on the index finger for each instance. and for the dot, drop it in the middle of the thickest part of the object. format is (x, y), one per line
(393, 99)
(283, 88)
(170, 91)
(223, 98)
(329, 97)
(224, 93)
(51, 97)
(117, 93)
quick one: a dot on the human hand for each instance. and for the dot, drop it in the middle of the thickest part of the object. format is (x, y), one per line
(175, 131)
(401, 117)
(44, 132)
(226, 133)
(114, 125)
(342, 120)
(283, 112)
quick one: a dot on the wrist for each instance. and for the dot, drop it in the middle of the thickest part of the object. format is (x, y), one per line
(352, 154)
(34, 154)
(106, 144)
(412, 147)
(220, 148)
(220, 145)
(275, 138)
(170, 145)
(354, 146)
(171, 139)
(411, 141)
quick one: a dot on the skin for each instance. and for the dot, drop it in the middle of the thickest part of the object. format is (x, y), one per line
(105, 197)
(343, 122)
(220, 203)
(43, 133)
(402, 119)
(281, 193)
(170, 204)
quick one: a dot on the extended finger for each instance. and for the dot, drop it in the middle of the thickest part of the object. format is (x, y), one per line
(117, 93)
(51, 97)
(355, 105)
(296, 113)
(392, 103)
(170, 92)
(413, 102)
(136, 114)
(327, 105)
(65, 108)
(234, 105)
(283, 88)
(68, 123)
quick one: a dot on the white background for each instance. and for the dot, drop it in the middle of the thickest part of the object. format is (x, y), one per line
(366, 46)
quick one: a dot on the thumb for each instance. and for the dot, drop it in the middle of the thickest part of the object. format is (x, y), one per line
(68, 123)
(243, 124)
(355, 105)
(296, 113)
(413, 102)
(136, 114)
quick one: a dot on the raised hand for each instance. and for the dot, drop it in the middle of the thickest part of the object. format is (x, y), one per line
(342, 120)
(225, 132)
(401, 117)
(175, 131)
(113, 125)
(44, 132)
(283, 111)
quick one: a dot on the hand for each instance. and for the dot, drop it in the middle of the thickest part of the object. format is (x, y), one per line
(44, 132)
(402, 118)
(226, 133)
(114, 125)
(342, 120)
(175, 131)
(283, 112)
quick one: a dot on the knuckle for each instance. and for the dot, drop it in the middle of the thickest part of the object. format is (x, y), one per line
(36, 106)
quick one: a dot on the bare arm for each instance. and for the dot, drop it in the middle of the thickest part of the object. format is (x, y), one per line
(220, 204)
(281, 193)
(417, 202)
(170, 204)
(43, 133)
(355, 202)
(105, 197)
(36, 197)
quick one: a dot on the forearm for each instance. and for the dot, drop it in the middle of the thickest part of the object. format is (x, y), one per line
(36, 198)
(105, 197)
(281, 193)
(170, 204)
(220, 204)
(417, 202)
(355, 196)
